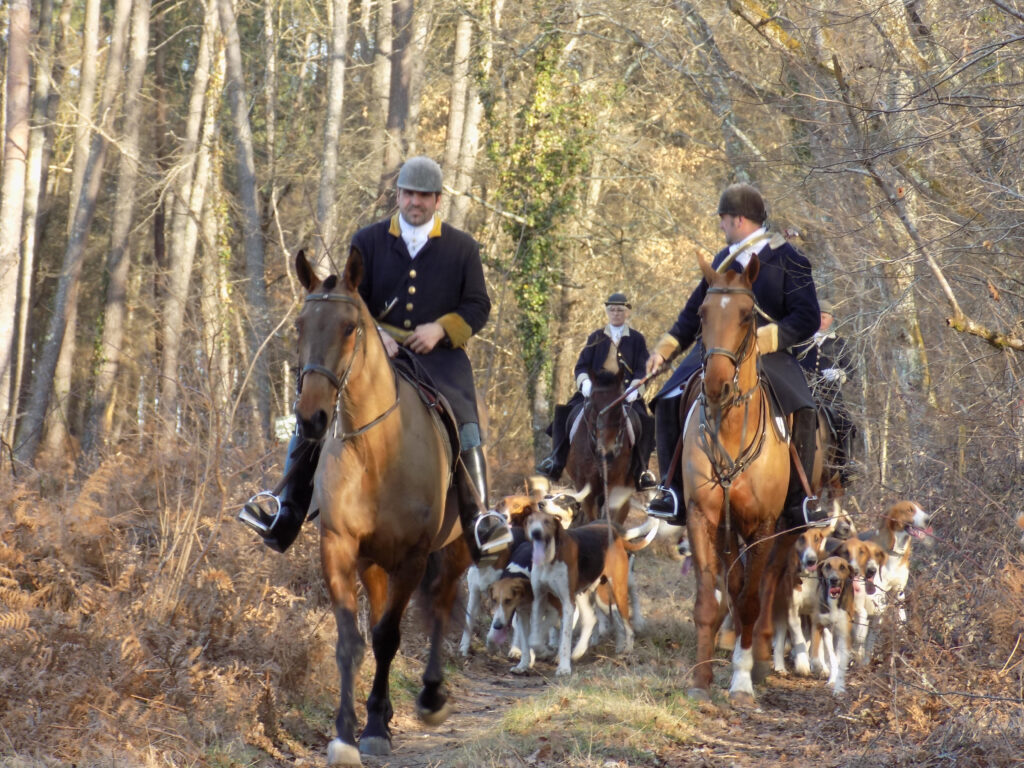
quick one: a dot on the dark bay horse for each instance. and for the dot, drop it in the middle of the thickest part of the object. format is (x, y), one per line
(386, 499)
(600, 452)
(735, 477)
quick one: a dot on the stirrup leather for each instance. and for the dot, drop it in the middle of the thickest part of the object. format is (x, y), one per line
(253, 515)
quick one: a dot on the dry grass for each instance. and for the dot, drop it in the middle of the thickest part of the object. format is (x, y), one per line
(141, 626)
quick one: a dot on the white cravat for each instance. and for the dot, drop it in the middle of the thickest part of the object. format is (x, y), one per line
(415, 237)
(748, 246)
(616, 333)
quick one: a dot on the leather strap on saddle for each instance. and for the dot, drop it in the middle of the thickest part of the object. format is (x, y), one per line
(800, 470)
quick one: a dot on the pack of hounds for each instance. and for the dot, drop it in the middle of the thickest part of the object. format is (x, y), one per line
(560, 575)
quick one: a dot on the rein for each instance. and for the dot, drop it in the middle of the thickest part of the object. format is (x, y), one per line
(725, 467)
(340, 382)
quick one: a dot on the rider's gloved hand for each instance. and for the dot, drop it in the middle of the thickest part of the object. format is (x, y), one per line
(768, 339)
(633, 395)
(586, 387)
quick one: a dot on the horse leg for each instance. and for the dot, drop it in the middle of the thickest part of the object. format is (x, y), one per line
(432, 703)
(748, 612)
(706, 615)
(376, 736)
(337, 557)
(778, 556)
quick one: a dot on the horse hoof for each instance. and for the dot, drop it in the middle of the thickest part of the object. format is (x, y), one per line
(741, 699)
(433, 717)
(699, 694)
(340, 753)
(373, 745)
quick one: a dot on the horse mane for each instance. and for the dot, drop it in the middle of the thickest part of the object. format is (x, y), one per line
(604, 378)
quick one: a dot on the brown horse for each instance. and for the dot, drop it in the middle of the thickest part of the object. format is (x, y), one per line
(386, 499)
(600, 452)
(735, 477)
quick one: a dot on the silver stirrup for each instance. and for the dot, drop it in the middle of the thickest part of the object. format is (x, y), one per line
(813, 502)
(253, 520)
(668, 516)
(499, 543)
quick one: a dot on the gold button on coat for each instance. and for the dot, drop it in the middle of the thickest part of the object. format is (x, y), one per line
(407, 323)
(412, 273)
(412, 289)
(408, 307)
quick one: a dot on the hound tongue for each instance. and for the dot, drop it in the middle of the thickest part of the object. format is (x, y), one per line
(538, 552)
(687, 564)
(920, 533)
(835, 591)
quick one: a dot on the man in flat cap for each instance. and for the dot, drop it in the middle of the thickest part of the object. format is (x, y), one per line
(615, 347)
(785, 292)
(424, 284)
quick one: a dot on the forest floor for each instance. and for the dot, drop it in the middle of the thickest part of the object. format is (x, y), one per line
(134, 634)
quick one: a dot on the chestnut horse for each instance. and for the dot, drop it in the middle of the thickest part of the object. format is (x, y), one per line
(735, 477)
(600, 452)
(386, 497)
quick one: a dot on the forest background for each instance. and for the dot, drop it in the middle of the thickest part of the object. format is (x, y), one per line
(164, 161)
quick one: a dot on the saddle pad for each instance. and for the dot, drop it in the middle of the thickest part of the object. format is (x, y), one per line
(437, 404)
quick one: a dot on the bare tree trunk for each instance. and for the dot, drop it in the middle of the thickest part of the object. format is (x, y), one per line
(16, 140)
(119, 259)
(462, 175)
(86, 100)
(378, 136)
(56, 425)
(256, 290)
(458, 95)
(186, 209)
(399, 95)
(30, 432)
(214, 299)
(44, 108)
(326, 212)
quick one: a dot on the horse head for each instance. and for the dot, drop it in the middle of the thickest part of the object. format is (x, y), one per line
(729, 330)
(608, 426)
(331, 331)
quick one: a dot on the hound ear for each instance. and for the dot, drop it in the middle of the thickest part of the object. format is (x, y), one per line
(354, 270)
(304, 271)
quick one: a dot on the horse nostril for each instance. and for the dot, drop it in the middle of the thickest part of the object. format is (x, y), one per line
(314, 427)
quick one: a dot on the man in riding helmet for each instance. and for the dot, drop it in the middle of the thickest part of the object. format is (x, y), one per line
(615, 347)
(788, 304)
(424, 284)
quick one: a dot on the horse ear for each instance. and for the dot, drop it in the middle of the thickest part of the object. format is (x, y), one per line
(354, 270)
(304, 271)
(705, 267)
(753, 267)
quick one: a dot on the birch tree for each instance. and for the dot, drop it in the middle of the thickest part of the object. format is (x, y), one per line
(15, 158)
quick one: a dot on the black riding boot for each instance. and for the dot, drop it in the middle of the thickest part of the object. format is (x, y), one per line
(486, 531)
(551, 466)
(280, 529)
(799, 509)
(645, 480)
(668, 505)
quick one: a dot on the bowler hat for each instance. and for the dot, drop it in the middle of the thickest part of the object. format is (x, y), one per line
(824, 305)
(618, 299)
